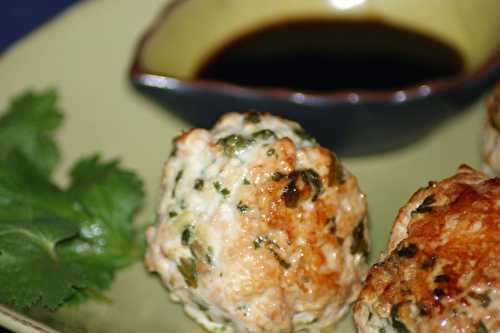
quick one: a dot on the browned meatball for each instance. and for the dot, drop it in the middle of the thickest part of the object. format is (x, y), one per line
(259, 229)
(441, 272)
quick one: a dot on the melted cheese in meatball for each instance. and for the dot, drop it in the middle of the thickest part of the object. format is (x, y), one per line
(441, 272)
(259, 228)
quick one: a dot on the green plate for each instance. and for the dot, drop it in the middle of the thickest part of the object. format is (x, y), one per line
(85, 53)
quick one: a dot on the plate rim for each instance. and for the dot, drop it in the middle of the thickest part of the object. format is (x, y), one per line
(14, 320)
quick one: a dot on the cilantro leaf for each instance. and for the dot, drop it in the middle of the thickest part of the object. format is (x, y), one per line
(26, 193)
(59, 245)
(28, 125)
(108, 197)
(31, 267)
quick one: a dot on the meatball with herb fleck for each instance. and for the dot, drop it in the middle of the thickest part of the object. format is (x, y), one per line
(259, 228)
(441, 272)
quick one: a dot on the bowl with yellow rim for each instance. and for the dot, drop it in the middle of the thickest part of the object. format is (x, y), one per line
(363, 76)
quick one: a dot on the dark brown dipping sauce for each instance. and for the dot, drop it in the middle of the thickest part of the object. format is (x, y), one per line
(321, 55)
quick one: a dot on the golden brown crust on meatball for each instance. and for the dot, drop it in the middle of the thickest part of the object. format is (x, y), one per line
(441, 272)
(260, 228)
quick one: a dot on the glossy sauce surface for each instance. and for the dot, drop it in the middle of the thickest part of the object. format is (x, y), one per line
(324, 55)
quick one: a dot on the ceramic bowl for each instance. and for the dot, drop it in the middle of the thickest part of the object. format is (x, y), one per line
(462, 38)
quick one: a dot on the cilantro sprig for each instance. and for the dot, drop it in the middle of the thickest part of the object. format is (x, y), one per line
(59, 244)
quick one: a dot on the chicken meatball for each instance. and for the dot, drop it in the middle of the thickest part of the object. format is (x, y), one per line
(259, 229)
(491, 133)
(441, 272)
